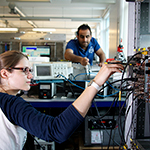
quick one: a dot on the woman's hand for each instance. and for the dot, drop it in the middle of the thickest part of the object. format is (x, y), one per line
(106, 71)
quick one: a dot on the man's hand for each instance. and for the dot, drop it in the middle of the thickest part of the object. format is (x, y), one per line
(84, 61)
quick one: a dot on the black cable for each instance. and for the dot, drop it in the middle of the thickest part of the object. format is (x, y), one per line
(132, 121)
(71, 74)
(127, 64)
(72, 91)
(132, 89)
(37, 142)
(99, 117)
(127, 111)
(123, 107)
(120, 131)
(125, 79)
(120, 108)
(119, 126)
(132, 103)
(111, 130)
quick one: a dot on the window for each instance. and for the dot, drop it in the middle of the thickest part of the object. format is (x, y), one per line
(105, 35)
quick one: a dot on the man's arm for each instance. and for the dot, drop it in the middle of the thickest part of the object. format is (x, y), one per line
(101, 56)
(74, 58)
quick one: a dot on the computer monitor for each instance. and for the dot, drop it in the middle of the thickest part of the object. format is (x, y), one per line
(36, 51)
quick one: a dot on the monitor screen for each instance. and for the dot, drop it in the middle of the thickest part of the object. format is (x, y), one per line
(36, 51)
(43, 71)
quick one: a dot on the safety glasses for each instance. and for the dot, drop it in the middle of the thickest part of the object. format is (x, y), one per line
(26, 70)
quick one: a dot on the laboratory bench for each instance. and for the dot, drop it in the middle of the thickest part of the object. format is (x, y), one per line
(62, 102)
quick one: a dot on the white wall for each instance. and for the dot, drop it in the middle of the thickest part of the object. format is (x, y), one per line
(113, 29)
(118, 28)
(125, 28)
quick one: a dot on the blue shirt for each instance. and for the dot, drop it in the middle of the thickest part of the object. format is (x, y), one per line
(21, 113)
(89, 53)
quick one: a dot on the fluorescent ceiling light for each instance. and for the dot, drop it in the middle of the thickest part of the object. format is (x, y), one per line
(87, 19)
(30, 22)
(23, 15)
(93, 1)
(43, 29)
(8, 29)
(28, 0)
(35, 18)
(20, 12)
(60, 19)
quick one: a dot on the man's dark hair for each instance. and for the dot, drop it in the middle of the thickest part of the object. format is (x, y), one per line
(84, 27)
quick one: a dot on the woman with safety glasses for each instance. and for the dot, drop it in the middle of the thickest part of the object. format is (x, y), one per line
(17, 116)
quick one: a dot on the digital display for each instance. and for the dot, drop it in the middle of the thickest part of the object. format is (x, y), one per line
(43, 86)
(43, 71)
(36, 51)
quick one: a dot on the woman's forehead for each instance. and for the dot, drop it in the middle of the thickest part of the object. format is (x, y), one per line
(24, 62)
